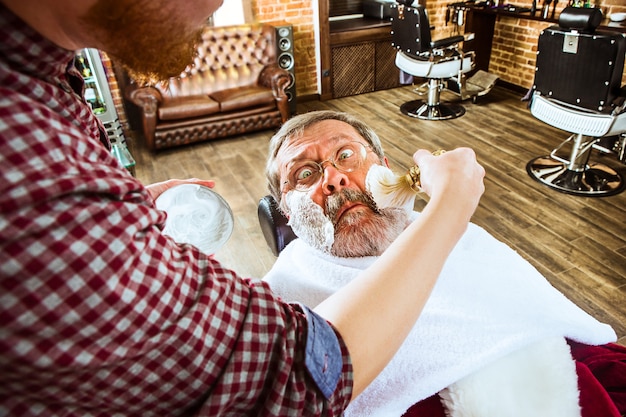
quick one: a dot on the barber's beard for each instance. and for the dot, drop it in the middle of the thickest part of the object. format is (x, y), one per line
(150, 45)
(357, 233)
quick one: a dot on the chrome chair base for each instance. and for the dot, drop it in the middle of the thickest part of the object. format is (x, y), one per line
(595, 180)
(422, 110)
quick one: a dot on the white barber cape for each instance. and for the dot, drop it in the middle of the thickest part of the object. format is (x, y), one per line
(487, 304)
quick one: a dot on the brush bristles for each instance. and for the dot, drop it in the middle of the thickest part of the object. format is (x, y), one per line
(389, 189)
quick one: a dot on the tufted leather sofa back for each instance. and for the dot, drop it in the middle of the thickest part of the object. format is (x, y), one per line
(228, 57)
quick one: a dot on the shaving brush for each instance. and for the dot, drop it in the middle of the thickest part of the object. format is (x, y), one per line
(392, 190)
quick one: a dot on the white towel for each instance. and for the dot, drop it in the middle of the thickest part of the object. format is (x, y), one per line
(487, 303)
(539, 380)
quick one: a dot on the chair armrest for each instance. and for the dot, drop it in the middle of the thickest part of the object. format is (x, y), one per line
(445, 42)
(274, 225)
(278, 80)
(148, 100)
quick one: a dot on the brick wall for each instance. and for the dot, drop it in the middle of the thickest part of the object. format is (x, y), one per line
(515, 40)
(300, 14)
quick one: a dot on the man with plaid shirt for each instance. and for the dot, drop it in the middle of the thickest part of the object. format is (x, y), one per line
(101, 314)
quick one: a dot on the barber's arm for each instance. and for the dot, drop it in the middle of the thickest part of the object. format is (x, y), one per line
(375, 313)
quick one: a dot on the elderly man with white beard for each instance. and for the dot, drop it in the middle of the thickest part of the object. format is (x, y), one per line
(494, 339)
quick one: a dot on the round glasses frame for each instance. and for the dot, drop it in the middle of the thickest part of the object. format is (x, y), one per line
(304, 174)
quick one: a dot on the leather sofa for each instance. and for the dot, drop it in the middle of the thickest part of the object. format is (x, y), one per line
(235, 85)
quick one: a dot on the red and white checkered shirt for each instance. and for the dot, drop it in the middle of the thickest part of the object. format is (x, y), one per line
(101, 314)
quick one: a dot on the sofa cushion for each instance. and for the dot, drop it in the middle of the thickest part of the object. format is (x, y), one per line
(175, 108)
(242, 97)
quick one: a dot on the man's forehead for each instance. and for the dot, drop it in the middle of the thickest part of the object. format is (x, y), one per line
(319, 137)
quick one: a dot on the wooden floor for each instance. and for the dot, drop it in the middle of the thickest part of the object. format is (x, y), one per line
(578, 243)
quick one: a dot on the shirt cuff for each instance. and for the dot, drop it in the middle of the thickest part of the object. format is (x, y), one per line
(323, 357)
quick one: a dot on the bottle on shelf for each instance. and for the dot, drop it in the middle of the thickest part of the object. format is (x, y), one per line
(82, 66)
(92, 97)
(97, 95)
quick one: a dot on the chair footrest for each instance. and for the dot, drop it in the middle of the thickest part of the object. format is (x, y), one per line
(481, 81)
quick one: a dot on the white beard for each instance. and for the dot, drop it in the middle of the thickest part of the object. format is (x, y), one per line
(308, 221)
(357, 235)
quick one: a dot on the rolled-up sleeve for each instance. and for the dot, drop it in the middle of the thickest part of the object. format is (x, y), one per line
(324, 359)
(285, 360)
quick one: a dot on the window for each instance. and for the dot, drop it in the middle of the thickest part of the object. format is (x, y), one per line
(232, 12)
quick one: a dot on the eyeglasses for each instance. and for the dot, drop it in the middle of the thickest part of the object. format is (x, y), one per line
(306, 173)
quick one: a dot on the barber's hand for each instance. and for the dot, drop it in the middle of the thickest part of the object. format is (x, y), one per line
(454, 175)
(158, 188)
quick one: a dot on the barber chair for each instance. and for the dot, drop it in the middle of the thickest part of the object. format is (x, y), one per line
(577, 89)
(441, 62)
(274, 225)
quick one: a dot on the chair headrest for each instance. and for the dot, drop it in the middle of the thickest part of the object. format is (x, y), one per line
(584, 19)
(274, 225)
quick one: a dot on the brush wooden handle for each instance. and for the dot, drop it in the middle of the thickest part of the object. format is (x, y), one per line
(413, 176)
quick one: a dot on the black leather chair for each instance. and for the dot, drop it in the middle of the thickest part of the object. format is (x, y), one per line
(577, 89)
(420, 56)
(274, 225)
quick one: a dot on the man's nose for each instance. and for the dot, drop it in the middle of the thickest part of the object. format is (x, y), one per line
(333, 180)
